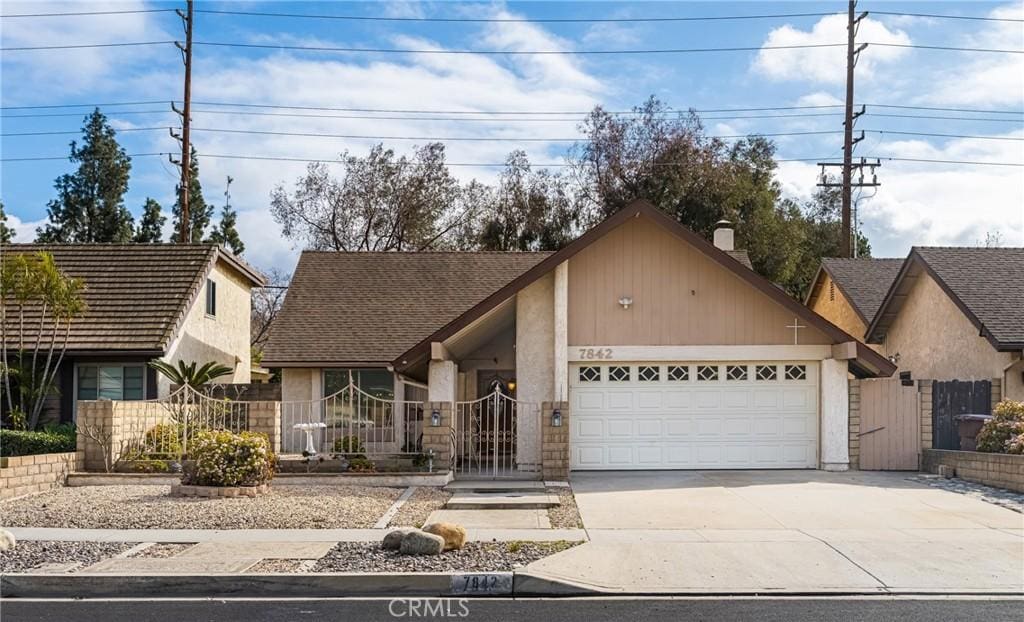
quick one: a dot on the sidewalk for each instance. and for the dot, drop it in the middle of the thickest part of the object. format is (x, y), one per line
(275, 535)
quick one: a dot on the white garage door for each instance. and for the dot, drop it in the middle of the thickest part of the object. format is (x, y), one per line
(694, 415)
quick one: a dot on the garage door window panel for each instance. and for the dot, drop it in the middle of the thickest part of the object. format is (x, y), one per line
(678, 373)
(707, 373)
(590, 373)
(619, 373)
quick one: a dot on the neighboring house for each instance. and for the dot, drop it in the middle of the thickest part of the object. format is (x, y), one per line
(956, 314)
(670, 351)
(848, 292)
(173, 302)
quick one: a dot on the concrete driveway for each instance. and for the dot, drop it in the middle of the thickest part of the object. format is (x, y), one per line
(795, 531)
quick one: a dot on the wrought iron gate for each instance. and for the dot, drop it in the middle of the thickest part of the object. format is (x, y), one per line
(487, 437)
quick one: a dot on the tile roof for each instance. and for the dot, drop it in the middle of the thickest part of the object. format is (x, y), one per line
(136, 293)
(864, 281)
(372, 307)
(989, 282)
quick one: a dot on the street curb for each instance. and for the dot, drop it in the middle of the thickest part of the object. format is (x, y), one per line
(397, 585)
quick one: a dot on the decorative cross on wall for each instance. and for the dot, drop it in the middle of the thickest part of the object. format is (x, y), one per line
(796, 326)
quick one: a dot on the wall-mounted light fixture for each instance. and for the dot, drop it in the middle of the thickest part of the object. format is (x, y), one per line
(556, 418)
(625, 301)
(435, 419)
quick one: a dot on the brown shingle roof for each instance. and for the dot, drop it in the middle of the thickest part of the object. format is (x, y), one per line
(370, 307)
(989, 282)
(864, 281)
(136, 293)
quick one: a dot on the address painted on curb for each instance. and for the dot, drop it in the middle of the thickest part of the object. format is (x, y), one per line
(497, 584)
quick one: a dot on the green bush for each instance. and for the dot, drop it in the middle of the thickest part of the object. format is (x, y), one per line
(361, 464)
(1004, 432)
(164, 439)
(348, 445)
(50, 440)
(224, 458)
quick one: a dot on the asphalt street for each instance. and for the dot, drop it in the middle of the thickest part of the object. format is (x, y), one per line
(929, 609)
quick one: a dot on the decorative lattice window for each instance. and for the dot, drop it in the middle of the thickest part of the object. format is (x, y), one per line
(678, 373)
(736, 372)
(767, 372)
(796, 372)
(590, 374)
(707, 372)
(618, 373)
(648, 373)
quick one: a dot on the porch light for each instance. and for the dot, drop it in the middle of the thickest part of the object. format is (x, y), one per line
(435, 419)
(556, 418)
(625, 301)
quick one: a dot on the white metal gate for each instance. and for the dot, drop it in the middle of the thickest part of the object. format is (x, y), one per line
(352, 421)
(488, 436)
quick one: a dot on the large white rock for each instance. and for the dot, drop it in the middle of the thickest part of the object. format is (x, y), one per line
(393, 539)
(7, 541)
(421, 543)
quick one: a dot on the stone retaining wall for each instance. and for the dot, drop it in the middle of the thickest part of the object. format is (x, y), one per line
(22, 475)
(999, 470)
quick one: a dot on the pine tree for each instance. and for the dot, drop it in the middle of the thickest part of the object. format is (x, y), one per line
(6, 233)
(151, 225)
(225, 232)
(199, 213)
(90, 203)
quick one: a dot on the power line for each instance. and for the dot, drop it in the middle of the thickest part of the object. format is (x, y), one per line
(501, 164)
(443, 51)
(945, 48)
(81, 46)
(969, 136)
(56, 133)
(480, 112)
(82, 13)
(937, 16)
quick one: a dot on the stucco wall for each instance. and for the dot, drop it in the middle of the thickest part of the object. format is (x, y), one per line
(535, 359)
(297, 384)
(935, 340)
(224, 338)
(835, 415)
(838, 310)
(1013, 385)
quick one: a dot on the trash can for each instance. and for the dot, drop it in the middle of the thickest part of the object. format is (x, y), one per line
(968, 426)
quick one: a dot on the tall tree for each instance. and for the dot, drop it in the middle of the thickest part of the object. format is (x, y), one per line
(90, 203)
(199, 213)
(382, 202)
(528, 211)
(225, 232)
(151, 224)
(6, 233)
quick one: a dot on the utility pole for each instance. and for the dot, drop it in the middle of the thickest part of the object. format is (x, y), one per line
(185, 232)
(852, 52)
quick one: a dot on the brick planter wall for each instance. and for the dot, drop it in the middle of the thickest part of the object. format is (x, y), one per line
(265, 418)
(1000, 470)
(22, 475)
(854, 439)
(554, 442)
(440, 438)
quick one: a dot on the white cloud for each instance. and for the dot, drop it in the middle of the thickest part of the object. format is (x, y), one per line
(611, 34)
(986, 78)
(819, 98)
(827, 65)
(77, 70)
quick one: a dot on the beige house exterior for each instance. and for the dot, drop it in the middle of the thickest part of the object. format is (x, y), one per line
(638, 346)
(833, 304)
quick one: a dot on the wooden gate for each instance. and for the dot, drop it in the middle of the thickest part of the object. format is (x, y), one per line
(890, 424)
(957, 397)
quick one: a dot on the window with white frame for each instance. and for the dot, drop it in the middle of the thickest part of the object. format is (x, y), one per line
(707, 372)
(678, 373)
(111, 382)
(767, 372)
(590, 373)
(736, 372)
(618, 373)
(648, 373)
(796, 372)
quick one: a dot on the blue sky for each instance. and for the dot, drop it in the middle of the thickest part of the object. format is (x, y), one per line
(918, 203)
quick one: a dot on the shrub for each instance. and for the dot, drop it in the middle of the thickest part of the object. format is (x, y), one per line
(224, 458)
(1004, 432)
(51, 440)
(361, 464)
(348, 445)
(163, 439)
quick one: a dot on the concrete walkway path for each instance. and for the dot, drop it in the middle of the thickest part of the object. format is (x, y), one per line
(273, 535)
(787, 532)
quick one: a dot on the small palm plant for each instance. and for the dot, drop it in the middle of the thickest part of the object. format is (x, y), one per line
(188, 374)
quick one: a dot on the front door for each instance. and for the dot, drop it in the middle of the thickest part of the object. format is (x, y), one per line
(495, 415)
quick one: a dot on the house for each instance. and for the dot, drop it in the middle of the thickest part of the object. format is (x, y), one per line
(173, 302)
(848, 292)
(659, 349)
(956, 314)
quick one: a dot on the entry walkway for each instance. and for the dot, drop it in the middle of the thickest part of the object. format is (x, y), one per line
(273, 535)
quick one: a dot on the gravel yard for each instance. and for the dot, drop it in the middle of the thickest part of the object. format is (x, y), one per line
(150, 507)
(566, 515)
(474, 557)
(417, 508)
(30, 554)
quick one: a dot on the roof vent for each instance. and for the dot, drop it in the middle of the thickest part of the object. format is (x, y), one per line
(724, 235)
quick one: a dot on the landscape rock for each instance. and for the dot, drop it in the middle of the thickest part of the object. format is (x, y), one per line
(7, 540)
(454, 535)
(393, 539)
(421, 543)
